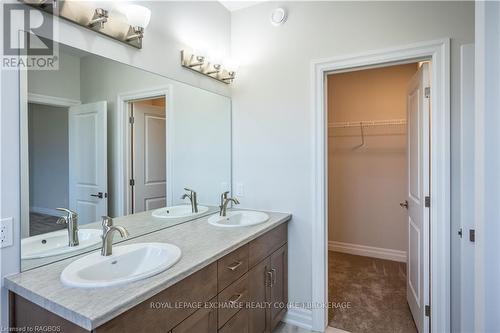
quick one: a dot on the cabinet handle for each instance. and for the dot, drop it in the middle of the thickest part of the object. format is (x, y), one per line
(273, 274)
(270, 275)
(235, 265)
(238, 297)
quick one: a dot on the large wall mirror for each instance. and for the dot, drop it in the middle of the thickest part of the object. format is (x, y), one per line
(102, 138)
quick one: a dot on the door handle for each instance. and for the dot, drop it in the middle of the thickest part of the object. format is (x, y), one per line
(273, 274)
(235, 299)
(270, 275)
(99, 195)
(404, 204)
(235, 265)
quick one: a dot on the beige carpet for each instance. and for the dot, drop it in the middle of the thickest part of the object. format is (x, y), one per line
(375, 290)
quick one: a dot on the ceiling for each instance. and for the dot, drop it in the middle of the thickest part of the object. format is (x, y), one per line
(233, 5)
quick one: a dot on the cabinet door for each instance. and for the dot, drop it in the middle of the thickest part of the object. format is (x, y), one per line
(279, 285)
(259, 293)
(202, 321)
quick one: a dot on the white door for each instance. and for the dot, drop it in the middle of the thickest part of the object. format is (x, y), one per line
(88, 162)
(418, 108)
(149, 157)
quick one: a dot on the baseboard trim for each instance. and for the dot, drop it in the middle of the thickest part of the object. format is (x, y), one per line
(47, 211)
(299, 317)
(367, 251)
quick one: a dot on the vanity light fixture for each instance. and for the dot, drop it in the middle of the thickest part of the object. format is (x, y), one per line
(204, 66)
(127, 28)
(138, 17)
(100, 17)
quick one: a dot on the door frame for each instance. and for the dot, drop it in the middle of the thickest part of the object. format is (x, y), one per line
(439, 53)
(123, 141)
(25, 97)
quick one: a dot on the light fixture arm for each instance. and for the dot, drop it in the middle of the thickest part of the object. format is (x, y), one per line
(216, 70)
(135, 33)
(100, 17)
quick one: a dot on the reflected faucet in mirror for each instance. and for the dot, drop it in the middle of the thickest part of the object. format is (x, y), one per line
(69, 134)
(226, 200)
(71, 220)
(108, 230)
(192, 197)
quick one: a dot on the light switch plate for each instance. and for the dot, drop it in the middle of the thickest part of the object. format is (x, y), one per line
(6, 230)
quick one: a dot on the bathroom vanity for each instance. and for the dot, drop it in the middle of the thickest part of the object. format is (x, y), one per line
(227, 280)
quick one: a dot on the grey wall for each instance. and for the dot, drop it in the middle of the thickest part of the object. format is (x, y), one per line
(48, 157)
(174, 26)
(64, 82)
(201, 131)
(272, 102)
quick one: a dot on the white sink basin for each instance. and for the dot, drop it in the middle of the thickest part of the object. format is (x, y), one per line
(128, 263)
(56, 243)
(179, 211)
(238, 218)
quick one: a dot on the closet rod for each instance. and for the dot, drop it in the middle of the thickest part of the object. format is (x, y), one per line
(368, 123)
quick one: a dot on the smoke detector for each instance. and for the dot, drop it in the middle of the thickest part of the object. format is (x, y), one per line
(278, 16)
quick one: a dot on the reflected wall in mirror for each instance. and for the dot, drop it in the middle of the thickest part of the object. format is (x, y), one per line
(102, 138)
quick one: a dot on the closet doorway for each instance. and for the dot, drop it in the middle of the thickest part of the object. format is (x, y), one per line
(378, 184)
(148, 150)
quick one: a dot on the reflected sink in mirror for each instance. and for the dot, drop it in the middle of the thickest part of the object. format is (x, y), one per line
(128, 263)
(238, 218)
(75, 161)
(56, 243)
(178, 212)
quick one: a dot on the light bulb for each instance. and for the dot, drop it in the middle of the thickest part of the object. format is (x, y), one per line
(137, 16)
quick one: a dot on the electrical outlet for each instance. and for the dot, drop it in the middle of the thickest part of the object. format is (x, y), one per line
(6, 230)
(240, 190)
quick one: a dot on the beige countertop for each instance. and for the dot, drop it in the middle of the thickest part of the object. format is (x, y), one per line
(200, 243)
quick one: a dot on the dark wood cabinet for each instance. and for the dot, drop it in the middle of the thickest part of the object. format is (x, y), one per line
(244, 291)
(202, 321)
(237, 324)
(268, 288)
(259, 293)
(279, 285)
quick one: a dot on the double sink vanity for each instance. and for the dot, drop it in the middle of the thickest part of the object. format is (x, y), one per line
(211, 274)
(176, 256)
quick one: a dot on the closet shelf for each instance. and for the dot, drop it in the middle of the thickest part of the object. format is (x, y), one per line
(368, 123)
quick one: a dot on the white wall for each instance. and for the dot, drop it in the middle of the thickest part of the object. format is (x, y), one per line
(487, 164)
(271, 97)
(201, 120)
(174, 26)
(48, 157)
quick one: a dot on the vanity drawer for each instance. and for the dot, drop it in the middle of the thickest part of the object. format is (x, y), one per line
(203, 320)
(232, 266)
(262, 247)
(160, 313)
(239, 323)
(232, 299)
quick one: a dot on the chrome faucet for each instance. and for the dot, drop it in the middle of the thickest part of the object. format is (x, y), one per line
(223, 198)
(192, 197)
(226, 200)
(108, 230)
(71, 220)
